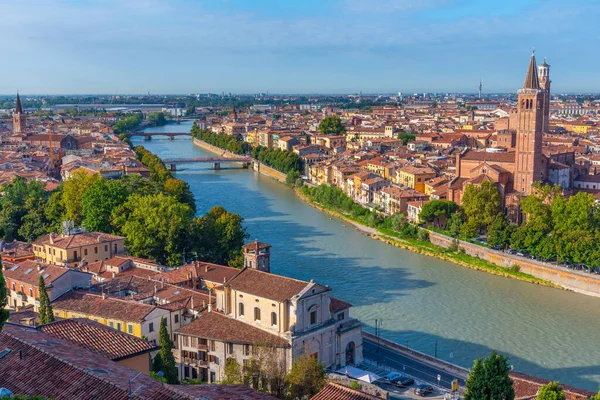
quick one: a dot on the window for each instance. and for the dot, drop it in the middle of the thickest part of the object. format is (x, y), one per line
(118, 326)
(273, 319)
(31, 292)
(95, 319)
(22, 289)
(111, 324)
(14, 286)
(176, 318)
(313, 317)
(241, 309)
(130, 329)
(105, 247)
(230, 348)
(341, 316)
(256, 314)
(246, 350)
(96, 250)
(85, 252)
(212, 345)
(115, 247)
(151, 327)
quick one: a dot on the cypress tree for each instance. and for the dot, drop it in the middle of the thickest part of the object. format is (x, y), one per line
(3, 299)
(45, 311)
(489, 379)
(166, 360)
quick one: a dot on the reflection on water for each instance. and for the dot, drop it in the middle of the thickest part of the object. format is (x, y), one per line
(546, 332)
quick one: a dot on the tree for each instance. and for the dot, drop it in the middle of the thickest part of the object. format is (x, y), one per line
(74, 190)
(454, 224)
(232, 372)
(157, 119)
(596, 397)
(19, 197)
(180, 190)
(166, 361)
(45, 310)
(98, 202)
(551, 391)
(332, 125)
(34, 224)
(500, 232)
(481, 205)
(4, 314)
(306, 378)
(435, 209)
(489, 379)
(154, 226)
(406, 137)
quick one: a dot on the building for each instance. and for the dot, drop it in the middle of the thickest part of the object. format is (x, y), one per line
(117, 346)
(35, 363)
(18, 119)
(137, 319)
(260, 312)
(414, 177)
(22, 282)
(78, 249)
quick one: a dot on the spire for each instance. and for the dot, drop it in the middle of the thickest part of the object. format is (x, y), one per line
(531, 80)
(18, 108)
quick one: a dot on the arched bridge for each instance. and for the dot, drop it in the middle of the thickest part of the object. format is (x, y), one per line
(216, 161)
(149, 135)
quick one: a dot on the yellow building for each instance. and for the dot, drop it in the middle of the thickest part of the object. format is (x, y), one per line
(83, 247)
(137, 319)
(414, 177)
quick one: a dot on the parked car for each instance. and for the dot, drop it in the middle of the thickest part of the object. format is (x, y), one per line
(423, 390)
(399, 379)
(520, 254)
(511, 251)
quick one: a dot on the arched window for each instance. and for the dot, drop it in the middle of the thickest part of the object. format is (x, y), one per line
(31, 292)
(256, 314)
(241, 309)
(14, 286)
(273, 319)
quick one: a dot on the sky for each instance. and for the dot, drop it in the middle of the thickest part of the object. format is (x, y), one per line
(294, 46)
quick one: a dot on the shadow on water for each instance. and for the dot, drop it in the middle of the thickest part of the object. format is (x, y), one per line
(463, 353)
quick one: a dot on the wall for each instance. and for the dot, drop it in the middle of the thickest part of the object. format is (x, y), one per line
(140, 363)
(582, 283)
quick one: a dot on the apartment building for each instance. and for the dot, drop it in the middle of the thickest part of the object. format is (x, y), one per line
(77, 249)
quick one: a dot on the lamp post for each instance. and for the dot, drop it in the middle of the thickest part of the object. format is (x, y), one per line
(378, 323)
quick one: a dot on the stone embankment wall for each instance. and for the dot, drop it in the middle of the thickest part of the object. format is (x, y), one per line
(573, 280)
(257, 165)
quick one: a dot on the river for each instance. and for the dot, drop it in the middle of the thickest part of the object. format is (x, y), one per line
(546, 332)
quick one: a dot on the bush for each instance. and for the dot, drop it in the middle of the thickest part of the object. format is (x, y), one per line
(515, 268)
(423, 235)
(355, 385)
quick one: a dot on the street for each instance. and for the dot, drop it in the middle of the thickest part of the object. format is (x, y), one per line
(417, 369)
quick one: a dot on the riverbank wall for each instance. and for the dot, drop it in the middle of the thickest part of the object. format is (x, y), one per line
(577, 282)
(256, 165)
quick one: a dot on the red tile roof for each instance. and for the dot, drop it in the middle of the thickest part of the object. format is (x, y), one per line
(27, 272)
(263, 284)
(77, 240)
(338, 305)
(335, 391)
(98, 338)
(216, 326)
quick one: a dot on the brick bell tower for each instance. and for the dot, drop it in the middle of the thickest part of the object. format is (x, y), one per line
(544, 77)
(528, 168)
(18, 118)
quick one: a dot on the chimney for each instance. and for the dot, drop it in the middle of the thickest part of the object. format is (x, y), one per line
(51, 237)
(38, 267)
(224, 279)
(103, 296)
(114, 274)
(209, 300)
(206, 268)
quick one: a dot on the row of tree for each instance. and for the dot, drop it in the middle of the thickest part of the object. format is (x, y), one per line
(157, 119)
(127, 124)
(555, 227)
(236, 146)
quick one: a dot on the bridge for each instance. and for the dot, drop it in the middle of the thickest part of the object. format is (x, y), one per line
(149, 135)
(216, 161)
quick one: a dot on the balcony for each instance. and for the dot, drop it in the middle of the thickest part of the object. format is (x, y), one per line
(203, 347)
(194, 361)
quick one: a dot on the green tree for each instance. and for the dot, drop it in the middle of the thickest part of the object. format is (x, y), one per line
(481, 205)
(218, 236)
(454, 224)
(98, 202)
(406, 137)
(306, 378)
(436, 209)
(74, 190)
(551, 391)
(45, 310)
(500, 232)
(19, 197)
(34, 224)
(596, 397)
(55, 210)
(157, 119)
(166, 361)
(4, 314)
(181, 191)
(489, 380)
(232, 372)
(332, 125)
(154, 226)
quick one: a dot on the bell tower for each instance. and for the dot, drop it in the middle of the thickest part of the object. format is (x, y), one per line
(18, 118)
(258, 256)
(544, 77)
(528, 168)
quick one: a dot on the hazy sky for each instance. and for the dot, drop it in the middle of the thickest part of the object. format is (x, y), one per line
(294, 46)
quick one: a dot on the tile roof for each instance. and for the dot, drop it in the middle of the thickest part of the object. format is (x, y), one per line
(27, 272)
(98, 338)
(77, 240)
(335, 391)
(526, 387)
(216, 326)
(508, 157)
(264, 284)
(338, 305)
(199, 270)
(225, 392)
(94, 304)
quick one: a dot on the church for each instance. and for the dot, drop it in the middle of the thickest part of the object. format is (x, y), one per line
(514, 171)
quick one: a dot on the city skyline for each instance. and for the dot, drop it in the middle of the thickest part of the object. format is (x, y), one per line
(346, 46)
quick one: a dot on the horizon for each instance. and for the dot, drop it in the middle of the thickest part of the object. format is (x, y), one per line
(334, 47)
